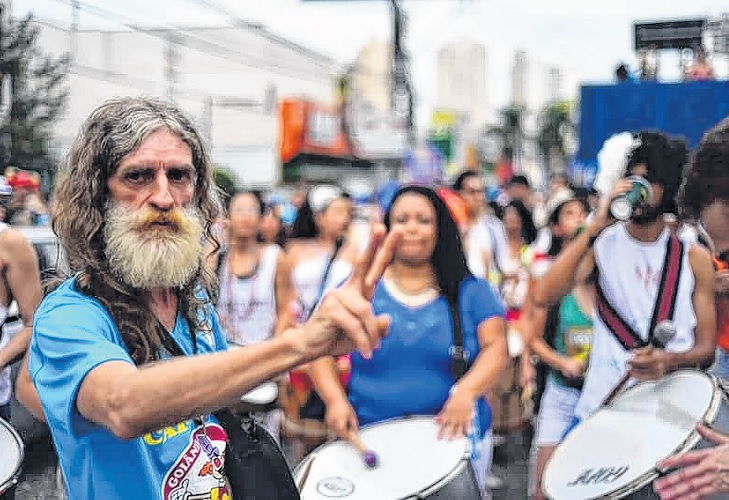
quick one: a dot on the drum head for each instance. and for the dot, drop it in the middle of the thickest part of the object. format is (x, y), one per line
(11, 455)
(411, 460)
(261, 395)
(617, 448)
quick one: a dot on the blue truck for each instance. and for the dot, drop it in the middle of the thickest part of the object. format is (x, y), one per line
(683, 109)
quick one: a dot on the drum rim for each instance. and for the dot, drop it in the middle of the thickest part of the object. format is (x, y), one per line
(689, 443)
(13, 478)
(429, 489)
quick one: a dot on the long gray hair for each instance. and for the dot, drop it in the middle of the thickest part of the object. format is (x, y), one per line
(112, 131)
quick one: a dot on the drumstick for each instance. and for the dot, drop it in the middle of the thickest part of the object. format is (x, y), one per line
(369, 456)
(663, 333)
(616, 390)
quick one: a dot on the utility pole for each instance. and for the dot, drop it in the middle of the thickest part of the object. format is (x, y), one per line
(172, 59)
(76, 8)
(402, 95)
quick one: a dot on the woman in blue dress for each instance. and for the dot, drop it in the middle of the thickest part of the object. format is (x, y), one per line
(412, 372)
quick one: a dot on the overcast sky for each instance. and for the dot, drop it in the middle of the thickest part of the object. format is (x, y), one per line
(585, 37)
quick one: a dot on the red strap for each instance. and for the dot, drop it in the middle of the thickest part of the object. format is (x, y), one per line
(615, 324)
(664, 306)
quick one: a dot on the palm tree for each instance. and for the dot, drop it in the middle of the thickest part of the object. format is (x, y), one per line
(556, 128)
(510, 132)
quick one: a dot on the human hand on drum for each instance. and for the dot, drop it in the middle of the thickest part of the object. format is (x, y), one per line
(648, 363)
(702, 474)
(341, 418)
(344, 320)
(456, 418)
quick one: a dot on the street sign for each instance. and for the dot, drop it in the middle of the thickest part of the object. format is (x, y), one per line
(668, 34)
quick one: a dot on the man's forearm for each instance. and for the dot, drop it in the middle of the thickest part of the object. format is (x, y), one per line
(325, 377)
(700, 358)
(165, 393)
(16, 348)
(560, 278)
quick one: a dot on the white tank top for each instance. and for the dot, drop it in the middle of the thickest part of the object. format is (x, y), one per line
(5, 386)
(306, 279)
(247, 306)
(630, 274)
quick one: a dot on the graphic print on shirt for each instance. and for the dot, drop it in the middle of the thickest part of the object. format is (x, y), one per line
(648, 277)
(199, 474)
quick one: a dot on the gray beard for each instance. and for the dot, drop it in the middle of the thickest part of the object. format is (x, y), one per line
(152, 258)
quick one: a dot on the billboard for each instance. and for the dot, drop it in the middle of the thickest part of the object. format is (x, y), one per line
(312, 128)
(668, 34)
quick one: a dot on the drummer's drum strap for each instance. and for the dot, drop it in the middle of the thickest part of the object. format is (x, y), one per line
(460, 357)
(662, 310)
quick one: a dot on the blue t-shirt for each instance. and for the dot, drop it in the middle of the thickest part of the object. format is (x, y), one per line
(411, 374)
(72, 334)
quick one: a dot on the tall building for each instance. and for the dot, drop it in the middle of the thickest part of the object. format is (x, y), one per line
(462, 81)
(534, 83)
(228, 78)
(371, 75)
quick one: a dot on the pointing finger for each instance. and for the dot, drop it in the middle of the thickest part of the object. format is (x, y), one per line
(364, 261)
(382, 259)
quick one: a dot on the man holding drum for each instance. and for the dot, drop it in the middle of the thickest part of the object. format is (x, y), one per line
(134, 207)
(705, 197)
(634, 274)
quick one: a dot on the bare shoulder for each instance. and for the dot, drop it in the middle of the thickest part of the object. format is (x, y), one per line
(700, 261)
(12, 240)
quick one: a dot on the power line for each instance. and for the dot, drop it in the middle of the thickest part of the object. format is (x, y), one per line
(238, 21)
(196, 43)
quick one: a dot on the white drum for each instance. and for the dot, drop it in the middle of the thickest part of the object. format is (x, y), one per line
(262, 398)
(613, 453)
(413, 463)
(11, 458)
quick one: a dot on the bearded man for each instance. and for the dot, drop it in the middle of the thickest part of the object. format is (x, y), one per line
(630, 259)
(128, 356)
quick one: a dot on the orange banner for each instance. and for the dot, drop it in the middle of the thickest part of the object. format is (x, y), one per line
(308, 127)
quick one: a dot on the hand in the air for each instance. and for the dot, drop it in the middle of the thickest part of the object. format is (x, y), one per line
(456, 418)
(648, 363)
(344, 321)
(701, 474)
(602, 217)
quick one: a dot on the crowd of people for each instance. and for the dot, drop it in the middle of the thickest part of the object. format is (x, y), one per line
(695, 66)
(428, 300)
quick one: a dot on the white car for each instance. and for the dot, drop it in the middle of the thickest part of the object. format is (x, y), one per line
(52, 262)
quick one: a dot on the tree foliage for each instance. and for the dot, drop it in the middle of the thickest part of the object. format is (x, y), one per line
(33, 97)
(510, 131)
(555, 126)
(225, 181)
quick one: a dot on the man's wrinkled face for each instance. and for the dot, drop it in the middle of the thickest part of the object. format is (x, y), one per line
(152, 234)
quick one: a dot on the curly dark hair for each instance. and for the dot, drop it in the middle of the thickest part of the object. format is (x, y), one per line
(112, 131)
(707, 175)
(665, 158)
(448, 259)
